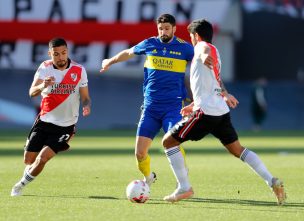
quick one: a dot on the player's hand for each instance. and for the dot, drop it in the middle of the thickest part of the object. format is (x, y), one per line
(187, 110)
(231, 100)
(86, 110)
(105, 65)
(48, 81)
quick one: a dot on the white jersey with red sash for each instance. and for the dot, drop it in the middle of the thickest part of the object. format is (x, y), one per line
(60, 102)
(205, 82)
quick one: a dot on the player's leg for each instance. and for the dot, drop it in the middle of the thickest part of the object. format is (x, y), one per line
(228, 136)
(147, 129)
(143, 158)
(251, 158)
(46, 140)
(35, 169)
(179, 133)
(43, 157)
(177, 163)
(257, 165)
(172, 117)
(33, 146)
(29, 159)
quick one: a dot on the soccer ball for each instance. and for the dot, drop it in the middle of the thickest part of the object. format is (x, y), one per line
(138, 191)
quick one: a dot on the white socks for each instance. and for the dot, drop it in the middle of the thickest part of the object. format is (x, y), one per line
(26, 179)
(257, 165)
(26, 169)
(177, 163)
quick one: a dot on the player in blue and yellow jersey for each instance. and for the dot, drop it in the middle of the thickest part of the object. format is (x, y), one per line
(163, 87)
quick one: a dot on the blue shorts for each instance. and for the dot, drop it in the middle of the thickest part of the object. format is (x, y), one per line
(153, 119)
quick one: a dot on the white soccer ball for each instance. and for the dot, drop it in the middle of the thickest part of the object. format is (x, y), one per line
(138, 191)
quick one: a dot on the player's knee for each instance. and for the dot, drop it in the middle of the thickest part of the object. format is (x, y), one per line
(165, 142)
(168, 141)
(235, 148)
(28, 160)
(140, 155)
(235, 154)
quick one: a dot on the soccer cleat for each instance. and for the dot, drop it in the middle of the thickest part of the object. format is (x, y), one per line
(178, 195)
(278, 189)
(151, 179)
(17, 190)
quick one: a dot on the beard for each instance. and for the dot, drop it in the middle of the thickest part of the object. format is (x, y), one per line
(61, 63)
(166, 38)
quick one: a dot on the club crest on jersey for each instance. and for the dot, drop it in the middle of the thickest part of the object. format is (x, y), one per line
(74, 76)
(164, 51)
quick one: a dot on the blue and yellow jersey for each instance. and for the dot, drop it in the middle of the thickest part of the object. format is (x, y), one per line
(164, 69)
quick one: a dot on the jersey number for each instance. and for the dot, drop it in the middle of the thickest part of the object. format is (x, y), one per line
(64, 137)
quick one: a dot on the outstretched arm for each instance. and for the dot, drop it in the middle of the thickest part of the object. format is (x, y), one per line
(121, 56)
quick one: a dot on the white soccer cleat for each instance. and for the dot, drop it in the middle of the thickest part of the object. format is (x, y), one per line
(17, 190)
(151, 179)
(278, 189)
(178, 195)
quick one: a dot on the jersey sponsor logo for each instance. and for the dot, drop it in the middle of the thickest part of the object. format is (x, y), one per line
(154, 51)
(218, 91)
(165, 64)
(63, 89)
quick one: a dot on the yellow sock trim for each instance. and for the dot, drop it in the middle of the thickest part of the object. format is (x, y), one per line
(144, 166)
(182, 150)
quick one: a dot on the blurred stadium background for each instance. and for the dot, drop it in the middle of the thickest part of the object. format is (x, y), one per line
(256, 38)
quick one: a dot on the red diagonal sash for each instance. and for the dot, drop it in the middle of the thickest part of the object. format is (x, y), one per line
(54, 99)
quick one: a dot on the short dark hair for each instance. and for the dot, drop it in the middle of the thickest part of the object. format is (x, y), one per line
(203, 28)
(166, 18)
(57, 42)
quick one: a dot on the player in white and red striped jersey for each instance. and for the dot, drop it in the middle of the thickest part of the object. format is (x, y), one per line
(209, 114)
(62, 84)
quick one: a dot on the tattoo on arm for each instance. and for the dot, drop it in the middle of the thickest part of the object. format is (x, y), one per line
(223, 87)
(86, 102)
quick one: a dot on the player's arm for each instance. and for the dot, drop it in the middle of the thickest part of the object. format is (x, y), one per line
(121, 56)
(85, 100)
(208, 61)
(229, 98)
(39, 85)
(206, 57)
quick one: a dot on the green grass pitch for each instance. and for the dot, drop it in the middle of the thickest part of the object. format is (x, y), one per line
(88, 182)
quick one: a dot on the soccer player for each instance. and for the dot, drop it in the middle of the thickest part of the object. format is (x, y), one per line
(209, 113)
(163, 87)
(62, 83)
